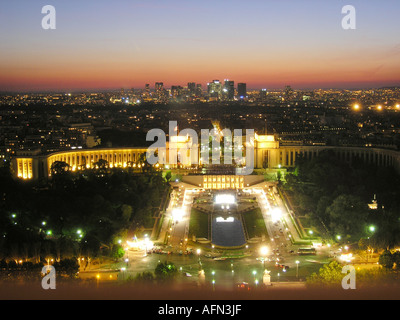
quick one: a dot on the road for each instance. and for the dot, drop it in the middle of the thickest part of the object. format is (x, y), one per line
(180, 227)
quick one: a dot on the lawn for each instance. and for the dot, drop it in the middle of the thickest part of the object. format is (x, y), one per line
(198, 225)
(255, 223)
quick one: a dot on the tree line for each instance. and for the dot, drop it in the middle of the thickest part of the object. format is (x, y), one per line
(335, 195)
(75, 213)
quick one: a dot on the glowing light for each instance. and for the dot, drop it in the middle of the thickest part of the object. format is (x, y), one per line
(145, 244)
(230, 219)
(265, 138)
(225, 199)
(347, 257)
(264, 251)
(276, 214)
(356, 107)
(177, 214)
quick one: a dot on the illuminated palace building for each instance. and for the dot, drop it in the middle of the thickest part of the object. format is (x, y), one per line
(268, 153)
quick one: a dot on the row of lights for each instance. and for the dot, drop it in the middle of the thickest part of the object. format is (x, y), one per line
(49, 232)
(379, 107)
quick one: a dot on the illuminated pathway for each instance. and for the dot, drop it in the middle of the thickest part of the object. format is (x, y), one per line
(178, 214)
(275, 215)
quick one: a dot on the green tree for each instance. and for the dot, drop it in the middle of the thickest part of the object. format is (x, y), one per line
(144, 164)
(329, 275)
(347, 215)
(279, 176)
(59, 168)
(168, 176)
(144, 278)
(126, 211)
(386, 260)
(68, 267)
(396, 260)
(101, 165)
(117, 251)
(165, 272)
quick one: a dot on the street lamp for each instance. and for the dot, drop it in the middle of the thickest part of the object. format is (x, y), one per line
(254, 274)
(297, 268)
(123, 269)
(372, 230)
(146, 240)
(264, 252)
(198, 254)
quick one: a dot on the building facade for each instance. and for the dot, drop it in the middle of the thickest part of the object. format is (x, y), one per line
(268, 154)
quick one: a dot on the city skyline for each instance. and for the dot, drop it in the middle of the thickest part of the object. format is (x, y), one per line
(262, 43)
(169, 86)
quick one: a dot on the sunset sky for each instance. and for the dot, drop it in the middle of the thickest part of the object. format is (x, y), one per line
(102, 44)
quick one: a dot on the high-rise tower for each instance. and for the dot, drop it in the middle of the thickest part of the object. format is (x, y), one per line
(242, 90)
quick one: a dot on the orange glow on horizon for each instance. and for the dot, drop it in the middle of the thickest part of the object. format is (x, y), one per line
(76, 73)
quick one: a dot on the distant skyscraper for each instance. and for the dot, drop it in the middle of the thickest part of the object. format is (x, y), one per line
(229, 89)
(147, 88)
(176, 91)
(242, 90)
(159, 87)
(288, 92)
(192, 87)
(199, 90)
(215, 89)
(263, 94)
